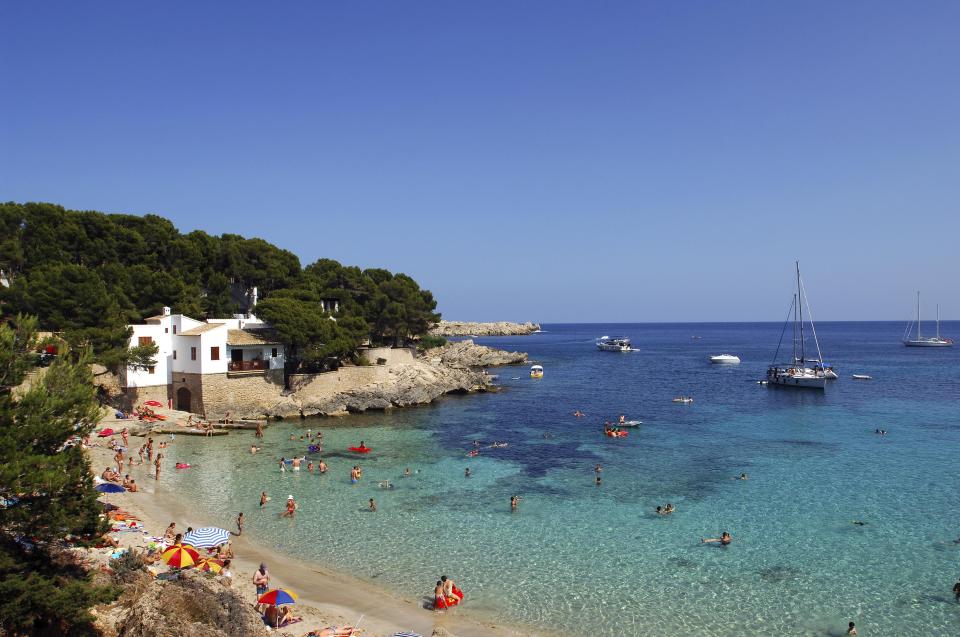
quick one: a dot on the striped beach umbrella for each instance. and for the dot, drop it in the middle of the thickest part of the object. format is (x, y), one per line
(206, 537)
(180, 556)
(210, 564)
(278, 596)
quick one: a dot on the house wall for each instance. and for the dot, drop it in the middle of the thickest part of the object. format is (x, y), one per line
(265, 352)
(161, 371)
(133, 396)
(244, 396)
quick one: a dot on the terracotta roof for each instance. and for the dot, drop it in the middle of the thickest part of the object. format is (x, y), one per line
(200, 329)
(245, 337)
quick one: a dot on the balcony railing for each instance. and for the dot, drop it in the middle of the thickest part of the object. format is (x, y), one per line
(248, 366)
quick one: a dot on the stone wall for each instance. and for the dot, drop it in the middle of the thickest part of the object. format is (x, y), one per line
(393, 355)
(133, 396)
(316, 387)
(244, 396)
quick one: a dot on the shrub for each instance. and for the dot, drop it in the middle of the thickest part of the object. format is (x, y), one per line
(429, 341)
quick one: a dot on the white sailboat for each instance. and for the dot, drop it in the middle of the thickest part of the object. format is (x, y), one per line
(935, 341)
(796, 373)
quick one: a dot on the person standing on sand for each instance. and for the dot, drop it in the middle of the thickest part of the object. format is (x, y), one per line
(118, 458)
(156, 463)
(261, 579)
(125, 434)
(240, 523)
(143, 450)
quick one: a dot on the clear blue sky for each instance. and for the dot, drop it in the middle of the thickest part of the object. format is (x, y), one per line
(553, 161)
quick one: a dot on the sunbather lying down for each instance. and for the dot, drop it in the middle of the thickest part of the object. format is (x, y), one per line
(333, 631)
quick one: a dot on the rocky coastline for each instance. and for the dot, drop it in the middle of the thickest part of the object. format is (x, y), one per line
(501, 328)
(452, 368)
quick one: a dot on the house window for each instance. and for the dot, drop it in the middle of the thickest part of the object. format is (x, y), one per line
(166, 329)
(193, 353)
(174, 354)
(144, 340)
(151, 369)
(273, 352)
(174, 329)
(214, 353)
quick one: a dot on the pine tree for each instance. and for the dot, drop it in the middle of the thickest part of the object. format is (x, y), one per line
(46, 488)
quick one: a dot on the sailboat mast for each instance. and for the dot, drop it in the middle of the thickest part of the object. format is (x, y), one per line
(938, 321)
(800, 311)
(918, 315)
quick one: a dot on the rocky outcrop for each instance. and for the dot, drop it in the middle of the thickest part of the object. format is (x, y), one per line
(453, 368)
(193, 606)
(469, 354)
(502, 328)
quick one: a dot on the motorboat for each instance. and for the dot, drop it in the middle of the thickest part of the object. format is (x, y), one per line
(799, 372)
(630, 423)
(930, 341)
(725, 359)
(607, 344)
(683, 400)
(862, 377)
(536, 371)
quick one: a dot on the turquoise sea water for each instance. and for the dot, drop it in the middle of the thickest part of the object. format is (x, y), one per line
(590, 560)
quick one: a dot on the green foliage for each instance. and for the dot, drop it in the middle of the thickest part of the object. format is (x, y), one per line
(87, 275)
(143, 357)
(47, 487)
(429, 341)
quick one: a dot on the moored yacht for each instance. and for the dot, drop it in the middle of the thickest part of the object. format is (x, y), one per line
(930, 341)
(607, 344)
(798, 372)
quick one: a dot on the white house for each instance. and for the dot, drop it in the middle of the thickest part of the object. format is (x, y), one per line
(197, 358)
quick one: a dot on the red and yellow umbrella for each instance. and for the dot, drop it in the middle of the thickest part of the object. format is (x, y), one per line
(278, 596)
(180, 556)
(209, 564)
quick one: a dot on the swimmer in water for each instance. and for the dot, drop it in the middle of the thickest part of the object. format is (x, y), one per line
(263, 499)
(310, 466)
(859, 523)
(406, 472)
(254, 448)
(578, 414)
(296, 464)
(283, 465)
(724, 539)
(466, 472)
(373, 506)
(623, 419)
(322, 466)
(514, 502)
(385, 484)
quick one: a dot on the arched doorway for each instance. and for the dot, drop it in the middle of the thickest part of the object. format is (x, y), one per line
(183, 399)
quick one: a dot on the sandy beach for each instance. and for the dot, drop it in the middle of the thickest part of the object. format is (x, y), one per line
(326, 597)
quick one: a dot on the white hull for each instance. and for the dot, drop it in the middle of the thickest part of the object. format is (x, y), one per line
(929, 342)
(725, 359)
(607, 344)
(806, 379)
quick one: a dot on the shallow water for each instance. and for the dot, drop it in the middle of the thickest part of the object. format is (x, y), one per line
(577, 555)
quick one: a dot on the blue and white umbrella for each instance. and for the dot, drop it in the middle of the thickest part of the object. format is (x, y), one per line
(206, 537)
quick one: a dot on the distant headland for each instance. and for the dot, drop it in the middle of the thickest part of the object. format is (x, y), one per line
(466, 328)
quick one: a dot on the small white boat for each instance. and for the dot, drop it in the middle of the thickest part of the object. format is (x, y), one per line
(536, 371)
(684, 400)
(607, 344)
(629, 423)
(725, 359)
(862, 377)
